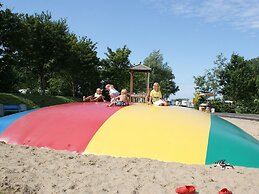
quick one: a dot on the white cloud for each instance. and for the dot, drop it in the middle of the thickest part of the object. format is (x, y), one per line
(243, 14)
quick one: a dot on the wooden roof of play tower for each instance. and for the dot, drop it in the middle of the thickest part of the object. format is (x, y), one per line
(140, 68)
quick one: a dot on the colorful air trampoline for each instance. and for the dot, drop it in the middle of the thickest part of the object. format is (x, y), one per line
(139, 130)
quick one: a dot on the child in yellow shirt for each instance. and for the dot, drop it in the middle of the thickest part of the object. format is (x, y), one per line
(155, 96)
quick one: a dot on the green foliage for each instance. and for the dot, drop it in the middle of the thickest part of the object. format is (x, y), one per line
(210, 81)
(59, 84)
(139, 84)
(237, 80)
(11, 30)
(31, 48)
(81, 68)
(198, 100)
(40, 54)
(254, 66)
(45, 47)
(247, 107)
(221, 106)
(115, 68)
(35, 101)
(161, 73)
(200, 84)
(8, 78)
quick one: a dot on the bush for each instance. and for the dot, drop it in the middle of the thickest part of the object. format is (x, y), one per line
(243, 107)
(35, 101)
(198, 100)
(221, 106)
(248, 107)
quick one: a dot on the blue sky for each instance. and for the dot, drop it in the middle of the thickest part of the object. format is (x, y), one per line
(189, 33)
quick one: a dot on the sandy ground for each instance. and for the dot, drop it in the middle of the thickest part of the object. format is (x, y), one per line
(33, 170)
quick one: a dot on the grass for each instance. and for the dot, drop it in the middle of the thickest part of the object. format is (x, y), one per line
(35, 101)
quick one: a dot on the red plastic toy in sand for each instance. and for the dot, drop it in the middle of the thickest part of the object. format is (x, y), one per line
(225, 191)
(187, 189)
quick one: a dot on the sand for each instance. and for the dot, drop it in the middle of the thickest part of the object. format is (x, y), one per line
(33, 170)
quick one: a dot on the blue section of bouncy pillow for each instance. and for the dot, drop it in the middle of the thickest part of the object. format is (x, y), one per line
(6, 121)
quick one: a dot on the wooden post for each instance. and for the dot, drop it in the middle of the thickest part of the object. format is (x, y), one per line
(131, 84)
(147, 82)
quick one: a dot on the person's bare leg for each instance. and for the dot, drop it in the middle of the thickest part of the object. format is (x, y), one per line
(89, 98)
(111, 104)
(98, 98)
(103, 99)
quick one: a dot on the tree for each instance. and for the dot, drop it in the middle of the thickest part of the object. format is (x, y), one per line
(115, 68)
(237, 79)
(82, 66)
(254, 64)
(45, 47)
(11, 41)
(200, 84)
(209, 83)
(161, 73)
(39, 53)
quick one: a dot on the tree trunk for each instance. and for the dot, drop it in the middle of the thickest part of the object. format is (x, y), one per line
(42, 84)
(41, 76)
(73, 89)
